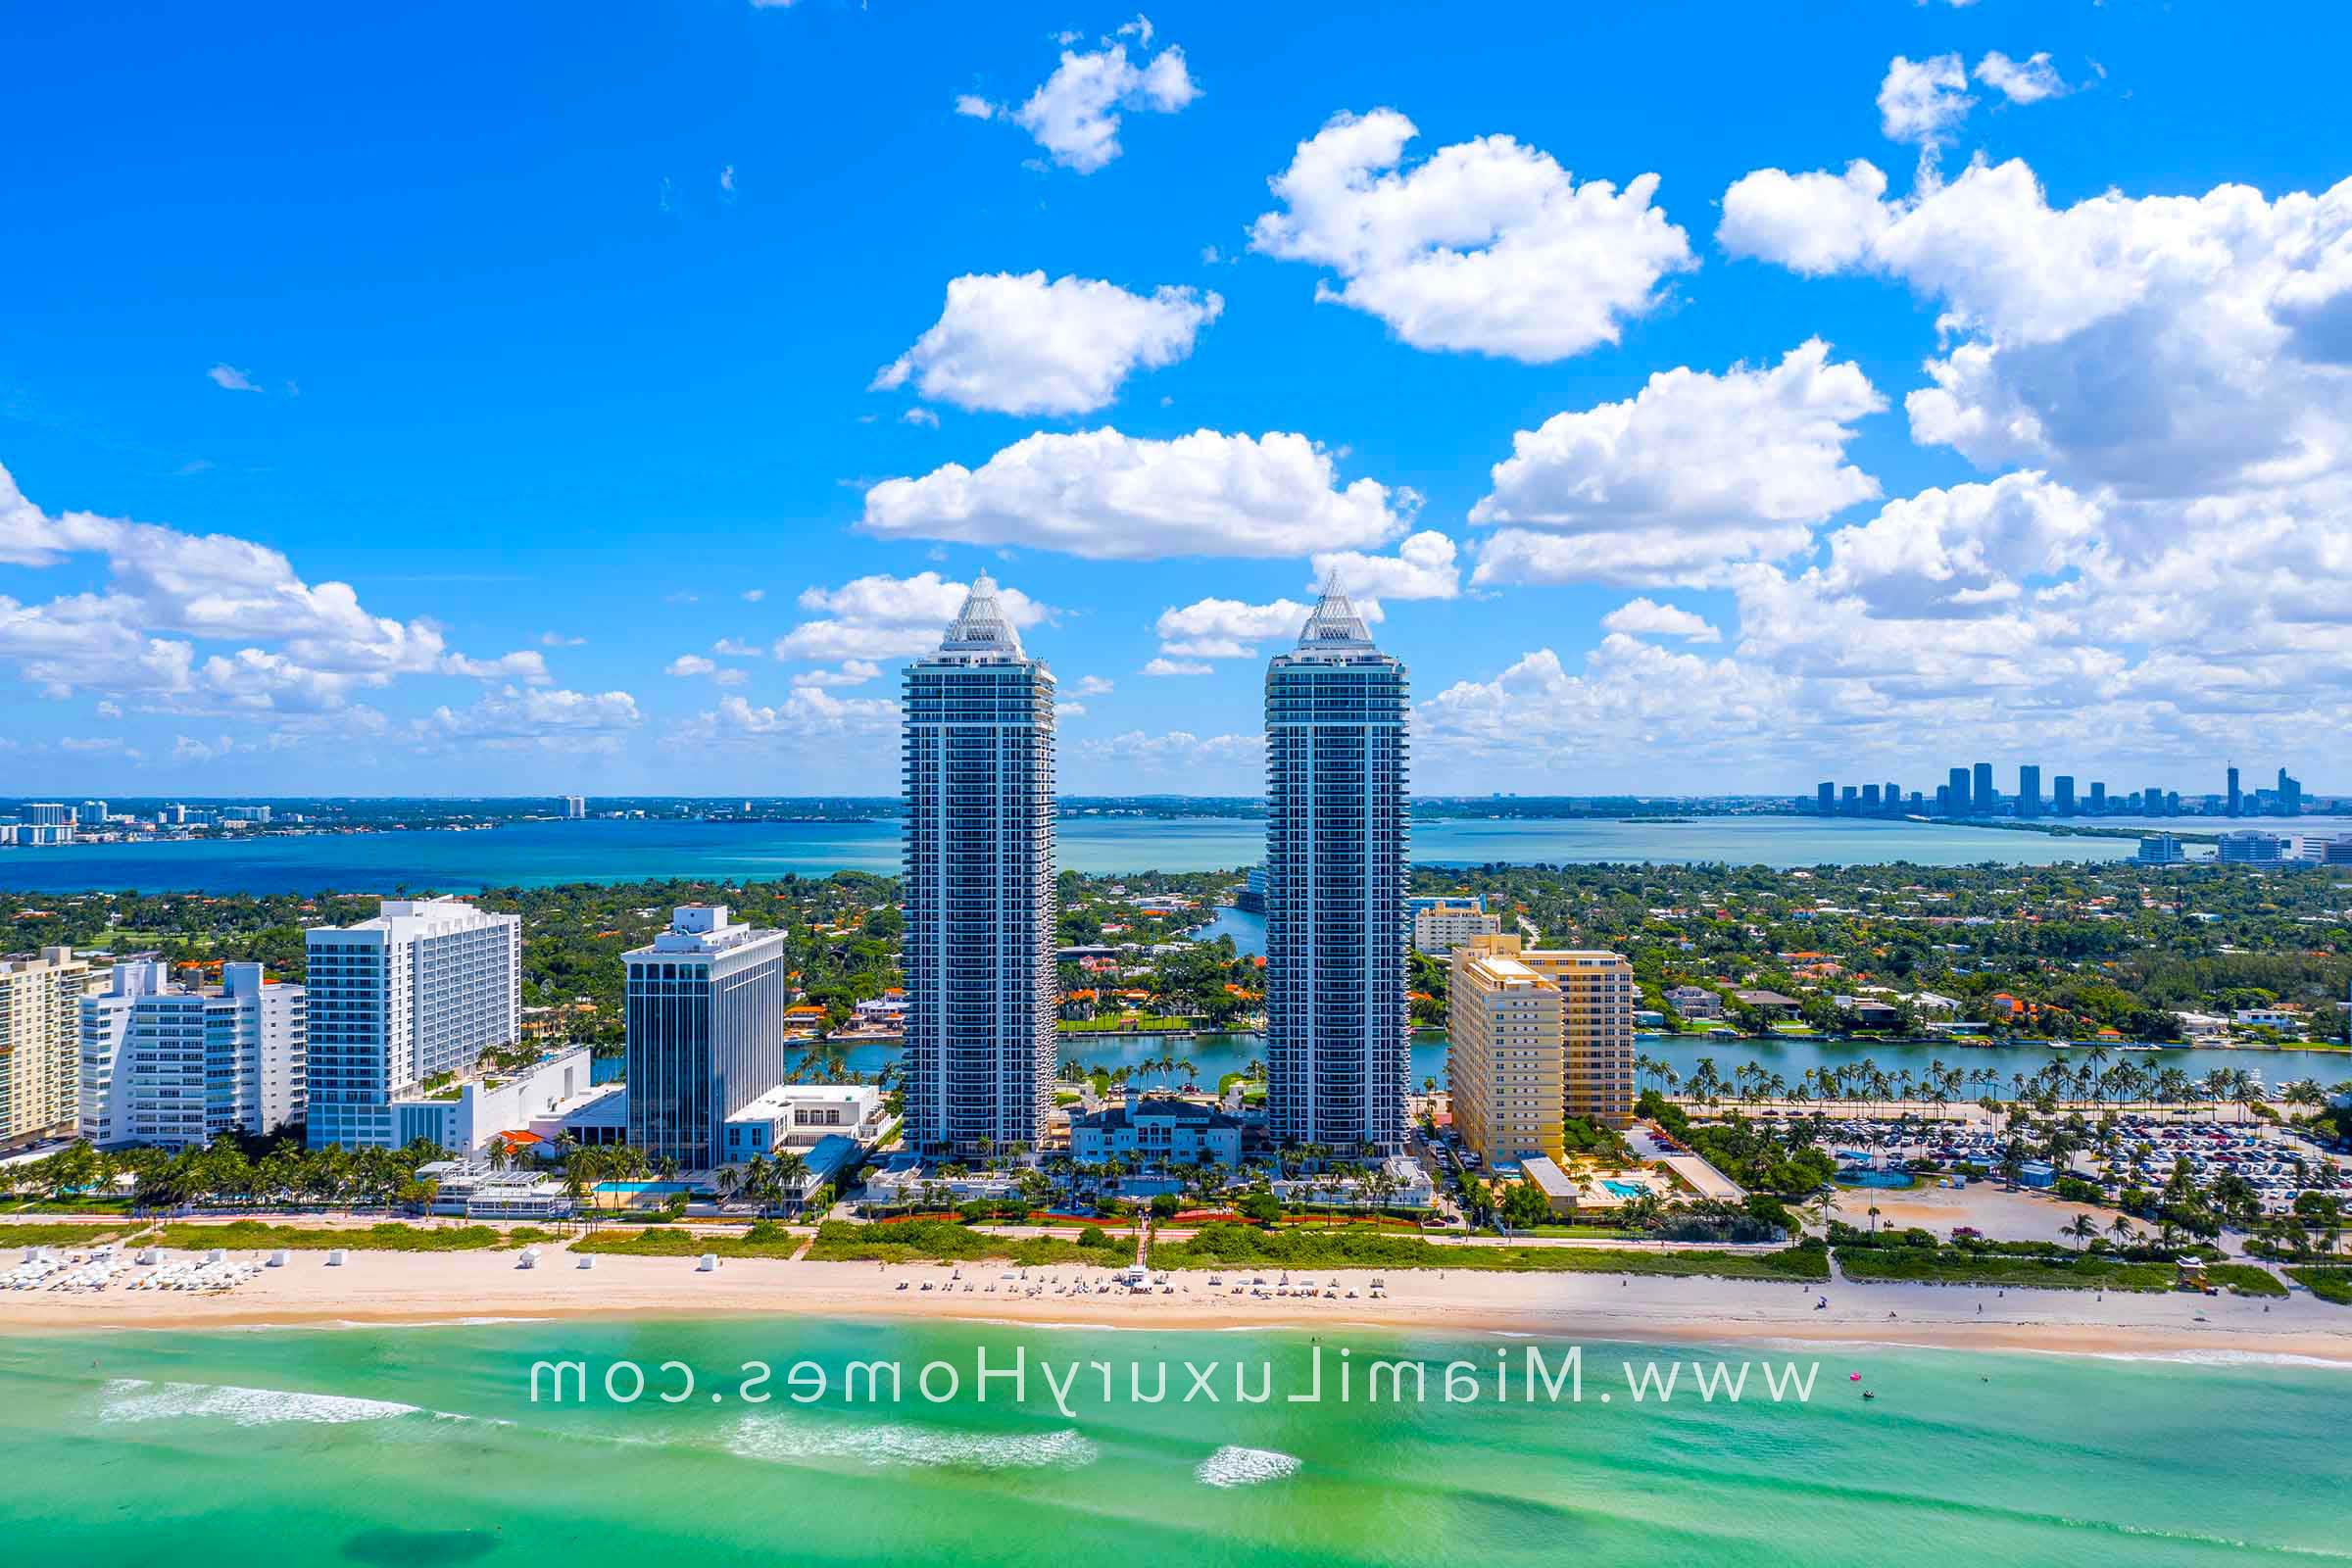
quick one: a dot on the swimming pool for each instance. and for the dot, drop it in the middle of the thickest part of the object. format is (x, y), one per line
(645, 1187)
(1864, 1176)
(1625, 1188)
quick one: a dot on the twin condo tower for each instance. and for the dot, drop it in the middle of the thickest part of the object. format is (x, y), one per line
(981, 989)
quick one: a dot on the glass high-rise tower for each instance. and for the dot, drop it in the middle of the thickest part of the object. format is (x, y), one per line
(981, 992)
(1336, 840)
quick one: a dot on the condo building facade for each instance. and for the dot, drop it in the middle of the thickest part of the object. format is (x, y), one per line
(978, 951)
(1538, 1036)
(1337, 1063)
(40, 1044)
(704, 1014)
(175, 1067)
(421, 990)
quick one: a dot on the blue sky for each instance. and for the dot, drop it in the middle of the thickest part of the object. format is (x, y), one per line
(553, 335)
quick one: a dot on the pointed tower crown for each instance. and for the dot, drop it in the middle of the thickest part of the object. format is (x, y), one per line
(980, 626)
(1334, 625)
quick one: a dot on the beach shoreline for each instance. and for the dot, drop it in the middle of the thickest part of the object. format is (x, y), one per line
(383, 1289)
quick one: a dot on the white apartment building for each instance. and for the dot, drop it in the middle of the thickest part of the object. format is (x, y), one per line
(175, 1065)
(40, 1044)
(422, 989)
(1440, 922)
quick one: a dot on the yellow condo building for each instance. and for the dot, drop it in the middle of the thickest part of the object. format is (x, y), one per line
(1538, 1036)
(40, 1043)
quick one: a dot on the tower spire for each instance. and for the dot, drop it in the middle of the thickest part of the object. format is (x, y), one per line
(1333, 623)
(980, 626)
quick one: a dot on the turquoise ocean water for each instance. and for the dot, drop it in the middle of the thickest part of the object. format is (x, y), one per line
(420, 1446)
(538, 854)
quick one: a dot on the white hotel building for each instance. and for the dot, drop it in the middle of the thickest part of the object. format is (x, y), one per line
(175, 1067)
(981, 991)
(422, 989)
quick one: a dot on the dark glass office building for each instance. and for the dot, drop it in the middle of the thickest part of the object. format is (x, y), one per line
(706, 1031)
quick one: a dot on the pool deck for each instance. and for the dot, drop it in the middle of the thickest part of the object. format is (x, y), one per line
(1704, 1178)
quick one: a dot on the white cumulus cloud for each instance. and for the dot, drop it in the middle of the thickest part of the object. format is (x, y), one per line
(1423, 568)
(1075, 115)
(1694, 470)
(1018, 344)
(1489, 246)
(1107, 496)
(1644, 618)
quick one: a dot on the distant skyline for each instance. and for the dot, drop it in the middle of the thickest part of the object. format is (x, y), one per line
(614, 404)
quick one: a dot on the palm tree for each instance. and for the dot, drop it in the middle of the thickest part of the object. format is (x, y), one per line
(2082, 1229)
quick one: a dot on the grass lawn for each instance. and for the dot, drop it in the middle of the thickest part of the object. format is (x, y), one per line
(1582, 1233)
(388, 1237)
(660, 1240)
(2328, 1284)
(944, 1242)
(1245, 1247)
(69, 1206)
(2246, 1279)
(58, 1235)
(1133, 1023)
(1950, 1266)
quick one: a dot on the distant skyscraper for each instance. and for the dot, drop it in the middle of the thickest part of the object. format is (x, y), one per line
(1336, 1006)
(2099, 798)
(2151, 799)
(981, 992)
(575, 806)
(706, 1031)
(1851, 802)
(1981, 796)
(90, 813)
(1870, 799)
(1943, 800)
(2290, 795)
(1893, 797)
(2062, 795)
(2237, 797)
(1959, 792)
(2029, 791)
(422, 989)
(1825, 797)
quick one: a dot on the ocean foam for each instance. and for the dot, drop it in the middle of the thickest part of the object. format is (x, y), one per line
(137, 1400)
(1235, 1466)
(781, 1440)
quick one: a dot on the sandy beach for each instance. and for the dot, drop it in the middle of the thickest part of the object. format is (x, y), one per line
(384, 1287)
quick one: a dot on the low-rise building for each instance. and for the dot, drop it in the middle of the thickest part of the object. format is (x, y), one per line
(798, 1117)
(1440, 922)
(470, 1117)
(1694, 1002)
(1769, 1002)
(2254, 848)
(1403, 1184)
(1164, 1129)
